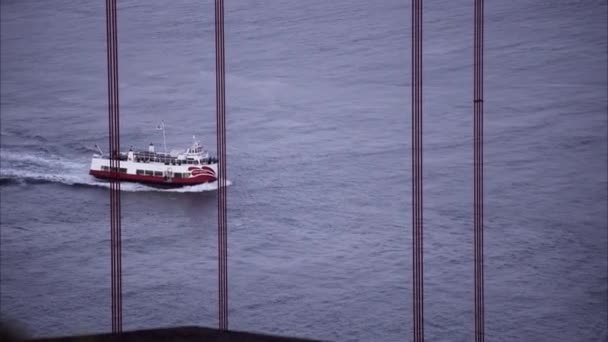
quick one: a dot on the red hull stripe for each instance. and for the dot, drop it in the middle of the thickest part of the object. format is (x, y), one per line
(200, 179)
(201, 169)
(196, 174)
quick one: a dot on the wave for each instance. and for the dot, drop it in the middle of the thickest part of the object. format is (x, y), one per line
(21, 134)
(27, 169)
(83, 148)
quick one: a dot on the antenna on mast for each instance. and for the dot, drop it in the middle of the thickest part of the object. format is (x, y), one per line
(162, 127)
(99, 149)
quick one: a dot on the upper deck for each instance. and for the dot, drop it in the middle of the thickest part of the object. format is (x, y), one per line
(194, 155)
(155, 157)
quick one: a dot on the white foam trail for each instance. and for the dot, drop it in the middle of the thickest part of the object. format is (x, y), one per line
(197, 188)
(137, 187)
(9, 158)
(55, 169)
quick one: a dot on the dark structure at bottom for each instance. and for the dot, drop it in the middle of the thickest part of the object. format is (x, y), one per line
(179, 334)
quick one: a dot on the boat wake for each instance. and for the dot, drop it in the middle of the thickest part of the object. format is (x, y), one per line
(24, 169)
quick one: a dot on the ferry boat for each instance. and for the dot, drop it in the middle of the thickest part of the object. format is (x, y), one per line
(175, 169)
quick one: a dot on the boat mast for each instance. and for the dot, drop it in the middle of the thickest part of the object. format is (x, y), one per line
(99, 149)
(162, 127)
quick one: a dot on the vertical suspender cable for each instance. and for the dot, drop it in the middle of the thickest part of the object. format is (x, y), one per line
(222, 172)
(218, 143)
(417, 199)
(110, 149)
(111, 144)
(224, 169)
(114, 142)
(414, 174)
(118, 197)
(478, 171)
(420, 173)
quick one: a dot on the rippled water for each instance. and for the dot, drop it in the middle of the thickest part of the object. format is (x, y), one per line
(319, 163)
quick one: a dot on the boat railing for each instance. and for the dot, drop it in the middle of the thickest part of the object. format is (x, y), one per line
(150, 157)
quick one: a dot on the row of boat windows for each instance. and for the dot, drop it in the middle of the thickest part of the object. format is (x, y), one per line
(170, 161)
(121, 170)
(148, 172)
(160, 173)
(150, 157)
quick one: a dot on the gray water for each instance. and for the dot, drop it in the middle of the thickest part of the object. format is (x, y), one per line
(319, 163)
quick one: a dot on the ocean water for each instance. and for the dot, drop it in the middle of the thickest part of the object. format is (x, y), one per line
(318, 136)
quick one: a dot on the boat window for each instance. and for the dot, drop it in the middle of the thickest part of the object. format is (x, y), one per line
(158, 173)
(139, 172)
(149, 173)
(122, 170)
(177, 175)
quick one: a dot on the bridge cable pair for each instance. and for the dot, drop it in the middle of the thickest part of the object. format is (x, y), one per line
(417, 174)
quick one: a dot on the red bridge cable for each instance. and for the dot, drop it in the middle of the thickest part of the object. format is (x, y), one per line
(221, 147)
(117, 166)
(111, 146)
(218, 129)
(224, 170)
(478, 170)
(414, 171)
(223, 144)
(117, 185)
(415, 167)
(420, 174)
(417, 173)
(481, 185)
(114, 142)
(476, 163)
(119, 205)
(114, 165)
(110, 143)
